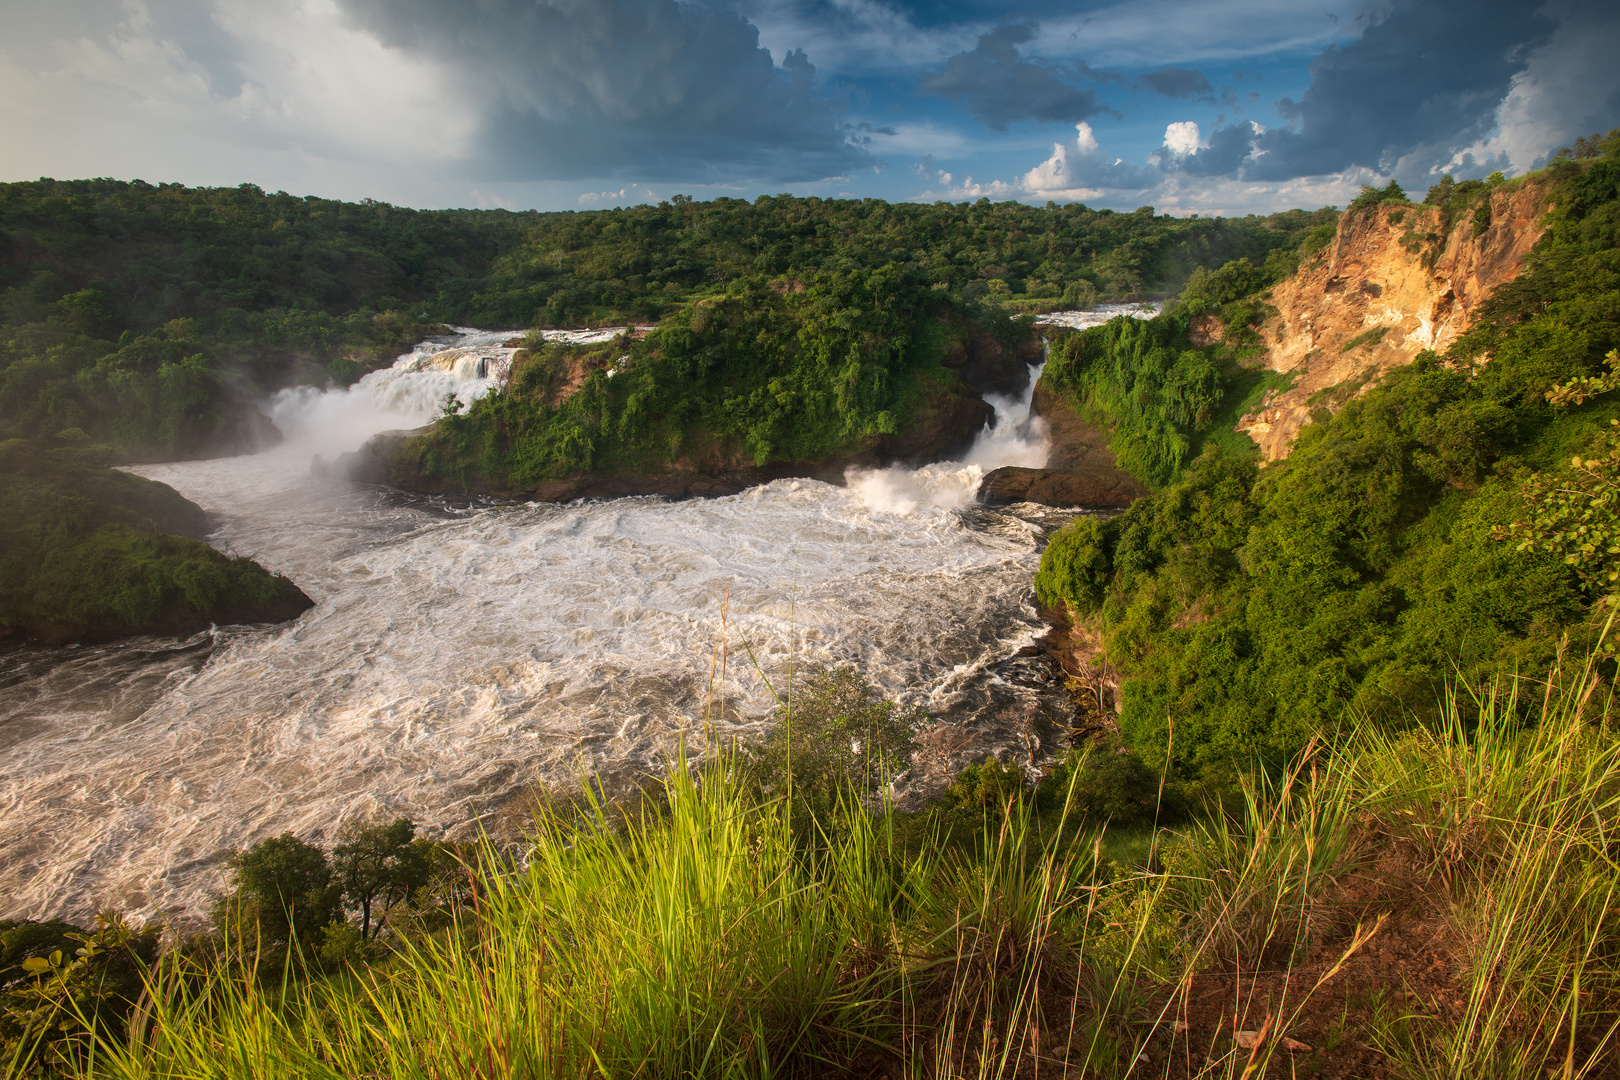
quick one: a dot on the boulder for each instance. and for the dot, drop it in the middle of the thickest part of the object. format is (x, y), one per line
(1080, 469)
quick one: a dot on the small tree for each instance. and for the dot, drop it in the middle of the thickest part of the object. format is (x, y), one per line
(841, 737)
(378, 866)
(287, 884)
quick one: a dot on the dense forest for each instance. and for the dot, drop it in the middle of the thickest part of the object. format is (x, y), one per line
(88, 552)
(1454, 519)
(152, 317)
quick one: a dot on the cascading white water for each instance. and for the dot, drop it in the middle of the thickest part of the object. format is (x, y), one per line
(458, 653)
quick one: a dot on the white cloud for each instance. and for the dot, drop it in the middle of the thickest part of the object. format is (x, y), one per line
(1570, 87)
(317, 101)
(1081, 171)
(1085, 140)
(1182, 138)
(629, 195)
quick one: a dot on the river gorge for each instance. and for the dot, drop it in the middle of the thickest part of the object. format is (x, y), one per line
(463, 651)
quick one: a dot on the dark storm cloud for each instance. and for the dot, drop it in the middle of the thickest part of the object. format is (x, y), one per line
(1225, 154)
(1183, 83)
(998, 86)
(1429, 75)
(652, 89)
(191, 25)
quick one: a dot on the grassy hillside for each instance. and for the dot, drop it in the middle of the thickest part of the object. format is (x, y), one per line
(1434, 904)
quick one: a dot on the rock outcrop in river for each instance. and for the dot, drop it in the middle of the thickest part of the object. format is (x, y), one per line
(1080, 470)
(943, 427)
(943, 430)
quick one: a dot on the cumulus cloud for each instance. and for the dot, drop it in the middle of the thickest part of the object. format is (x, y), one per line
(1178, 178)
(1570, 86)
(1429, 85)
(1182, 138)
(1182, 83)
(998, 86)
(1079, 169)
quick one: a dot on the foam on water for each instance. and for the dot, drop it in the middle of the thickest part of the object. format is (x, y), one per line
(1096, 316)
(456, 656)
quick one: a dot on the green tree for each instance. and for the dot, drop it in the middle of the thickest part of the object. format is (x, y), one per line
(841, 738)
(287, 886)
(379, 866)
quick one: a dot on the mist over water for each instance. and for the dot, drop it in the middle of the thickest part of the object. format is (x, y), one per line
(460, 651)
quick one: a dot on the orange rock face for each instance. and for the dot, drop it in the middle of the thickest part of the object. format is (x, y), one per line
(1372, 301)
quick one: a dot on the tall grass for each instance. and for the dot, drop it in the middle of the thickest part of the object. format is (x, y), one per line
(698, 935)
(1518, 826)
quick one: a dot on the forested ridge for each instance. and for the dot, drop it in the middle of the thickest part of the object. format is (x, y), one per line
(152, 317)
(1455, 519)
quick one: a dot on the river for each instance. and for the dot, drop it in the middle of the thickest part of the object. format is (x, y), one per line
(461, 652)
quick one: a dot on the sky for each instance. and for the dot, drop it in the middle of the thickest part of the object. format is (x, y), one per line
(1189, 106)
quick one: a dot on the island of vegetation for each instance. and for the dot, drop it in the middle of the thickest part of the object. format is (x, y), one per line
(1343, 776)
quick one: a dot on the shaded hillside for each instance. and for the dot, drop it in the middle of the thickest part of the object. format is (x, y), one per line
(88, 552)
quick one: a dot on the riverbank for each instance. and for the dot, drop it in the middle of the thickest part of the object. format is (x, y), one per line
(91, 554)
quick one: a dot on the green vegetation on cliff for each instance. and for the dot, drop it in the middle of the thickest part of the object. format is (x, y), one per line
(1245, 608)
(1161, 395)
(768, 371)
(89, 552)
(838, 349)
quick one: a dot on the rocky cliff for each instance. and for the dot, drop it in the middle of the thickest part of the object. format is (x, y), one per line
(1393, 283)
(946, 422)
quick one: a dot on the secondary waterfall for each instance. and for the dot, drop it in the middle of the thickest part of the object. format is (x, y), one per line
(461, 652)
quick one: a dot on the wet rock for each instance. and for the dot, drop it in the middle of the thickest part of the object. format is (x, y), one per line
(1080, 470)
(1084, 488)
(987, 365)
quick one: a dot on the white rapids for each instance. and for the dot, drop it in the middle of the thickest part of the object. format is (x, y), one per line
(1096, 316)
(460, 651)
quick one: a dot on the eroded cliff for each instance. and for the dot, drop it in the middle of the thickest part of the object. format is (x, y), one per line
(1394, 281)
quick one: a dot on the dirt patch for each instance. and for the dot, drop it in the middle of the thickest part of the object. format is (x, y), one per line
(1382, 951)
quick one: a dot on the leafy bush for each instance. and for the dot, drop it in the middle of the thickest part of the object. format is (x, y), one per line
(1371, 197)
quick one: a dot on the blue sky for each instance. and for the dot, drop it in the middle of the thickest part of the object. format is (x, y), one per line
(1191, 106)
